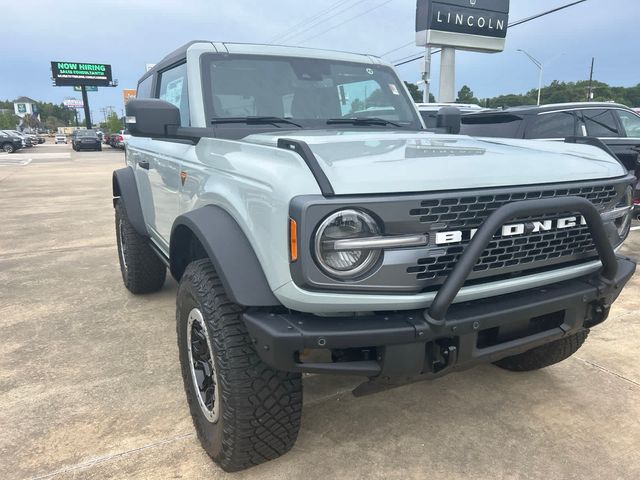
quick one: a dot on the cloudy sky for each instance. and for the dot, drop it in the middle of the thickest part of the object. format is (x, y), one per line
(129, 33)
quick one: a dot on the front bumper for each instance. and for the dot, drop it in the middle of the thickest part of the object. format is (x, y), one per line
(448, 336)
(405, 344)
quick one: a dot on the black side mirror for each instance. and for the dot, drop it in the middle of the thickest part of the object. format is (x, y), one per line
(450, 119)
(151, 117)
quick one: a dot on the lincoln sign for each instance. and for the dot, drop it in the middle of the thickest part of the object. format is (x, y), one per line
(479, 25)
(69, 74)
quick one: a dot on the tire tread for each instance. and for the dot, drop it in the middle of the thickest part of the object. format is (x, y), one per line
(262, 407)
(545, 355)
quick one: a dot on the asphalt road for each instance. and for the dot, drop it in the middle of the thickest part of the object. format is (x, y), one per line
(90, 384)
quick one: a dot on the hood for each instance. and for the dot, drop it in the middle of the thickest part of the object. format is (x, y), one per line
(368, 162)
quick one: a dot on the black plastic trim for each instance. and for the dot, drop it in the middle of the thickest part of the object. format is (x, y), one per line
(227, 247)
(302, 149)
(401, 339)
(125, 190)
(594, 142)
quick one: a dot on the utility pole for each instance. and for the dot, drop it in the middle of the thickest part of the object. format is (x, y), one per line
(426, 75)
(87, 112)
(447, 75)
(590, 92)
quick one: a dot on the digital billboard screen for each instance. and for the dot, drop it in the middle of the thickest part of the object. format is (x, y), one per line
(69, 74)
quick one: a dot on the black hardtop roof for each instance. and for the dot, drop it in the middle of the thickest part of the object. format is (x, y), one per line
(180, 54)
(173, 57)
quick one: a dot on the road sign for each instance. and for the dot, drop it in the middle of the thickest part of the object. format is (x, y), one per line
(128, 94)
(70, 74)
(479, 25)
(78, 88)
(73, 103)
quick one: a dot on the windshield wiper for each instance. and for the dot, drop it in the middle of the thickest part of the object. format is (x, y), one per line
(254, 121)
(362, 121)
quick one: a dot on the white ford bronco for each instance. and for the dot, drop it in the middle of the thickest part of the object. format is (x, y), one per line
(314, 225)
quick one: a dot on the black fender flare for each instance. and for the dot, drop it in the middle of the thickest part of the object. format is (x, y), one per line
(125, 190)
(229, 250)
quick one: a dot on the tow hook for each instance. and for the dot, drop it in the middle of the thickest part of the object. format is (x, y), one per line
(441, 359)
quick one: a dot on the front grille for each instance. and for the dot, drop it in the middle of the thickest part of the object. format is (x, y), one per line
(504, 254)
(470, 211)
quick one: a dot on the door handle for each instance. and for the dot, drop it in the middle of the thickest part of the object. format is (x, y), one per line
(143, 164)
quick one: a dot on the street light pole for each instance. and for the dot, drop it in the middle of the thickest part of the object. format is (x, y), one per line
(540, 67)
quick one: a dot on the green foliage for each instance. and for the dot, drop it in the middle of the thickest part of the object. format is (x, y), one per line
(30, 121)
(465, 95)
(60, 112)
(8, 120)
(564, 92)
(52, 123)
(416, 93)
(113, 123)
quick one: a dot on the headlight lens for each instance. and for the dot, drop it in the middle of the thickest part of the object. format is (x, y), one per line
(345, 224)
(623, 223)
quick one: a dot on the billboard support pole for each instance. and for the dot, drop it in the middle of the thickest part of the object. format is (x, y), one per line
(448, 75)
(87, 112)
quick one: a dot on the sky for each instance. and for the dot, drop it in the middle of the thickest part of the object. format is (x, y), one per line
(131, 33)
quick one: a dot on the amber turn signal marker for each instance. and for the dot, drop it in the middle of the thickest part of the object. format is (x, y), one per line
(293, 240)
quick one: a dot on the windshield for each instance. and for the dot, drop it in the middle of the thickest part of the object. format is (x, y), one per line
(307, 91)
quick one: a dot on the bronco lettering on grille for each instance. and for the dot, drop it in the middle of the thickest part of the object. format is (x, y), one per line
(512, 230)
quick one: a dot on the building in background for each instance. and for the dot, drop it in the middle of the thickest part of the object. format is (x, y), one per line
(25, 106)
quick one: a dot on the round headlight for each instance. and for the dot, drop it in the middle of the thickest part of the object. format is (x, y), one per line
(344, 225)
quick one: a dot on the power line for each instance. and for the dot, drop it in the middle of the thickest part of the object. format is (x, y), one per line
(514, 24)
(399, 48)
(306, 20)
(346, 21)
(320, 21)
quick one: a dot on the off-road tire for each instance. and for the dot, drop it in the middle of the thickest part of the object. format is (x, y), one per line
(142, 270)
(545, 355)
(8, 148)
(260, 408)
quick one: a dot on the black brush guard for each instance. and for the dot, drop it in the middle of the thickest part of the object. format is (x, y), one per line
(400, 347)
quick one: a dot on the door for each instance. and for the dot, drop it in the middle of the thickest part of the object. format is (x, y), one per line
(603, 124)
(164, 160)
(629, 144)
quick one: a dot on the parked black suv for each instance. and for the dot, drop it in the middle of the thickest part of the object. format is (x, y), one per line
(85, 140)
(9, 143)
(616, 125)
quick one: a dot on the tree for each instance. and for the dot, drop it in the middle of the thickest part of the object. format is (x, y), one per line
(30, 121)
(416, 93)
(52, 123)
(8, 121)
(465, 95)
(113, 123)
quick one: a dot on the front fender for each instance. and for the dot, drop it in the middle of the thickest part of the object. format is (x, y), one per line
(125, 190)
(226, 245)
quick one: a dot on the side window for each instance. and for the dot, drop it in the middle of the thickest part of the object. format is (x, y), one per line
(173, 89)
(600, 123)
(630, 122)
(144, 88)
(553, 125)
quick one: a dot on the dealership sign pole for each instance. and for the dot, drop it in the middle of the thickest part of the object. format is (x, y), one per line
(73, 74)
(475, 25)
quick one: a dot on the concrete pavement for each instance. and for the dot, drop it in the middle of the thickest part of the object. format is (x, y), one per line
(90, 384)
